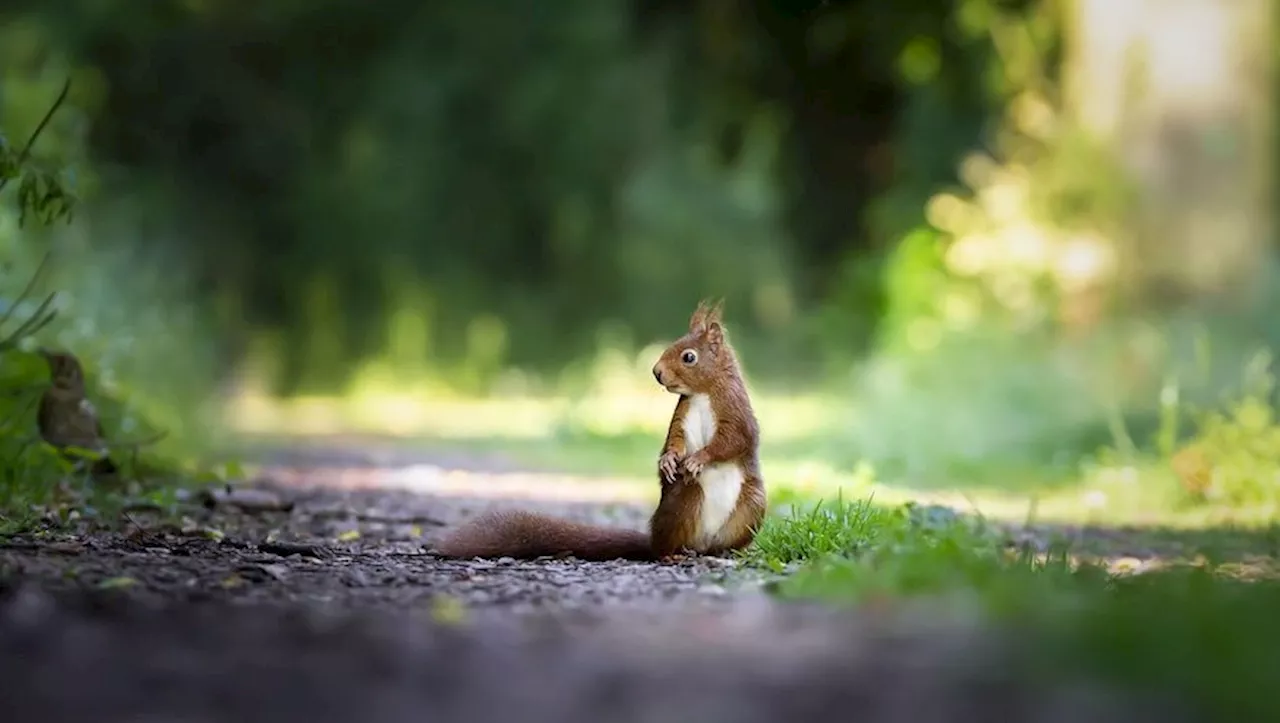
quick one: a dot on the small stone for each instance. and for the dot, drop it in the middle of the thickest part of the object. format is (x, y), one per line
(277, 571)
(246, 499)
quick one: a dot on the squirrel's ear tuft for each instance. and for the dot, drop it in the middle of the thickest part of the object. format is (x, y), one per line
(715, 311)
(698, 322)
(715, 336)
(707, 313)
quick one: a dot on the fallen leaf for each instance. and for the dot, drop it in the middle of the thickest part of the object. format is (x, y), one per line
(416, 531)
(116, 582)
(349, 535)
(232, 581)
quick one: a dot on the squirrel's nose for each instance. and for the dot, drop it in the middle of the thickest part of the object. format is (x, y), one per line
(657, 374)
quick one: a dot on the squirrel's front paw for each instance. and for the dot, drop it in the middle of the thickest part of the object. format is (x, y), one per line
(668, 467)
(693, 465)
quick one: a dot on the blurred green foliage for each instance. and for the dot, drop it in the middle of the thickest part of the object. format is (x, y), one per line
(470, 187)
(38, 196)
(898, 200)
(1220, 454)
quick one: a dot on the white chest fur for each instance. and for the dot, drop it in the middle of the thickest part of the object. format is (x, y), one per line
(721, 483)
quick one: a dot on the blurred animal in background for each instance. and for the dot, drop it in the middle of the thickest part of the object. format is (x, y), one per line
(67, 419)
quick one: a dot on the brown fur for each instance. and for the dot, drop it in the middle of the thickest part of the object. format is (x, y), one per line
(673, 529)
(673, 446)
(714, 371)
(524, 535)
(674, 525)
(64, 417)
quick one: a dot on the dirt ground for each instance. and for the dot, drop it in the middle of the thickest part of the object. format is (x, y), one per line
(325, 604)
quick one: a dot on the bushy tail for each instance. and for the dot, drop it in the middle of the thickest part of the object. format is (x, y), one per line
(525, 535)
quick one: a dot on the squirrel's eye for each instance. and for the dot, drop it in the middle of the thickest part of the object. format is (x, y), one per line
(689, 356)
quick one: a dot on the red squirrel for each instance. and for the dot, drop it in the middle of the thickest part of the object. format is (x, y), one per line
(713, 497)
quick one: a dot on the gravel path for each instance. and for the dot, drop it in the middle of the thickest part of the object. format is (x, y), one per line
(330, 608)
(348, 550)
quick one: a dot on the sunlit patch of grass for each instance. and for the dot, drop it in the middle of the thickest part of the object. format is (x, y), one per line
(1142, 492)
(949, 560)
(616, 435)
(852, 549)
(401, 412)
(825, 528)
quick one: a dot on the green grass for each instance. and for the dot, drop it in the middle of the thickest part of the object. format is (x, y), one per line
(822, 530)
(1197, 629)
(892, 551)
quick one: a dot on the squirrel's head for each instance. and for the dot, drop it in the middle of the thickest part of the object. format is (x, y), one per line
(696, 361)
(64, 369)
